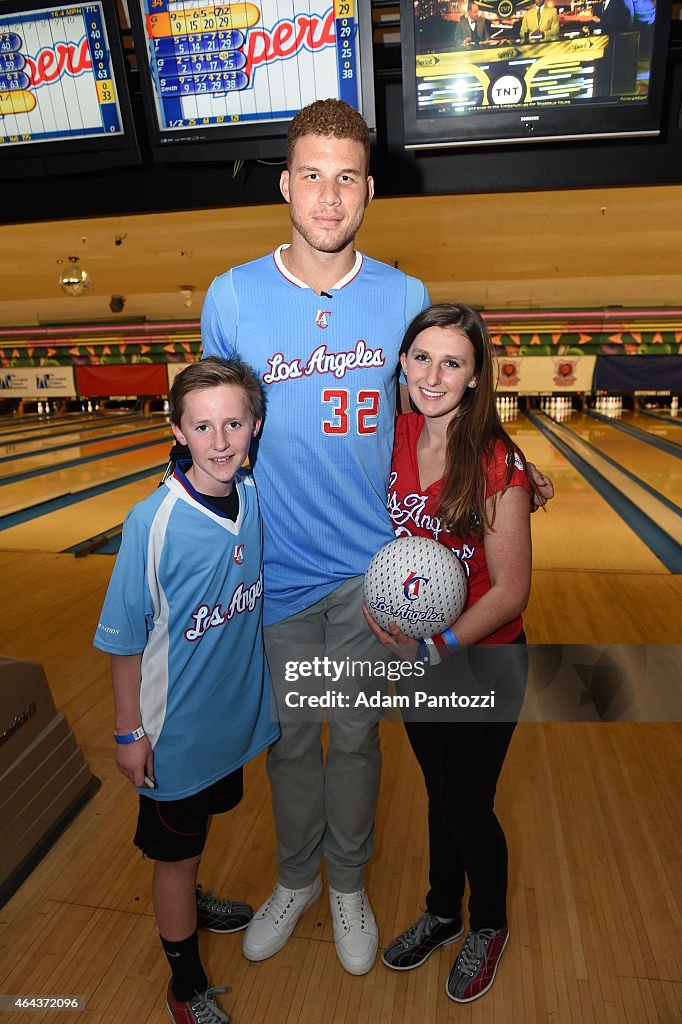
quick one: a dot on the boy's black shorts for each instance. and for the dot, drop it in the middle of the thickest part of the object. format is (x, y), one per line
(172, 830)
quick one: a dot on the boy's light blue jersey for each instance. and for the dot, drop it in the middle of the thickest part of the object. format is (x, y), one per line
(186, 591)
(329, 370)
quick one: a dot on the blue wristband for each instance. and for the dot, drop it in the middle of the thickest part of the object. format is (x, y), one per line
(130, 737)
(449, 637)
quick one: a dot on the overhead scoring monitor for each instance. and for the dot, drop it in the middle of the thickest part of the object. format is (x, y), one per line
(63, 98)
(232, 75)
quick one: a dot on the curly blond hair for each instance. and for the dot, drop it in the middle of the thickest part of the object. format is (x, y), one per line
(330, 117)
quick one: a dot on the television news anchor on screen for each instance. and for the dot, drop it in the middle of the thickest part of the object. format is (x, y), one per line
(472, 28)
(540, 23)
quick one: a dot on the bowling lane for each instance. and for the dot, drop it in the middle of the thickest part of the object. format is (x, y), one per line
(69, 526)
(669, 431)
(26, 493)
(60, 431)
(26, 426)
(11, 424)
(659, 469)
(580, 531)
(97, 446)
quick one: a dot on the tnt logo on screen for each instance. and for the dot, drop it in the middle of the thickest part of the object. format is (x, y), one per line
(507, 89)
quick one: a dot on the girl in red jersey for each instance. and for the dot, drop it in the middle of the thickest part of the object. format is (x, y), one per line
(457, 477)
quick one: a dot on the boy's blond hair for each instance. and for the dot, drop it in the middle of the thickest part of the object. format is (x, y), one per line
(211, 373)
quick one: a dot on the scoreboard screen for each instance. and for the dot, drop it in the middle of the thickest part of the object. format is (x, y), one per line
(62, 87)
(55, 76)
(523, 71)
(243, 70)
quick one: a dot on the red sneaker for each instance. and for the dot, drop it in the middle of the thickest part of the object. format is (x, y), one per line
(200, 1009)
(473, 971)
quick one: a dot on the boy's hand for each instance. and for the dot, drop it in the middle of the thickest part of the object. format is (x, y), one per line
(135, 760)
(543, 488)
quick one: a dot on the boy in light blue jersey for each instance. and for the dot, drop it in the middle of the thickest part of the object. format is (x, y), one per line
(182, 621)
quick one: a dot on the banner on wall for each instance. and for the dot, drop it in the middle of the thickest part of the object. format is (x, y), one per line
(173, 370)
(652, 373)
(115, 380)
(543, 374)
(37, 382)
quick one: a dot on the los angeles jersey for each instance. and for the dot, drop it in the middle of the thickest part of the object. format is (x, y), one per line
(414, 511)
(186, 591)
(329, 370)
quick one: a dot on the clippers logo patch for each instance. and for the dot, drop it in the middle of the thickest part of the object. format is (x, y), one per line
(412, 585)
(322, 318)
(238, 554)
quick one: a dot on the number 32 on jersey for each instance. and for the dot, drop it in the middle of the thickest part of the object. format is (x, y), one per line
(350, 412)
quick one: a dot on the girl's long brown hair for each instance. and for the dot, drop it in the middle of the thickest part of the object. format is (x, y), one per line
(473, 431)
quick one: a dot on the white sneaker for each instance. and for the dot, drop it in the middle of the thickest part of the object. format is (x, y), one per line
(272, 925)
(356, 935)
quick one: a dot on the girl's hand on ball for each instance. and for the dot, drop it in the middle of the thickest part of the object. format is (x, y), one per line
(393, 638)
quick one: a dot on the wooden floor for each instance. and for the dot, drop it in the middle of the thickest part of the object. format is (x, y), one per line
(592, 814)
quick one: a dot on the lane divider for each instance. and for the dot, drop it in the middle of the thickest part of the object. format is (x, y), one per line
(89, 421)
(657, 416)
(64, 500)
(71, 463)
(107, 543)
(79, 444)
(663, 546)
(668, 502)
(671, 447)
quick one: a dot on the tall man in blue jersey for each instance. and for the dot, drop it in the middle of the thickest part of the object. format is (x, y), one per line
(322, 326)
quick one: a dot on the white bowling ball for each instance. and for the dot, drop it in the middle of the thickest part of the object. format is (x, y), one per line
(417, 583)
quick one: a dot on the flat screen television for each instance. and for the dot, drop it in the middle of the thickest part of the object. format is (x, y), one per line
(222, 80)
(510, 71)
(64, 104)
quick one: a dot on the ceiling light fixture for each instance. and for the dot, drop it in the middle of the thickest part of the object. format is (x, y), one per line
(74, 280)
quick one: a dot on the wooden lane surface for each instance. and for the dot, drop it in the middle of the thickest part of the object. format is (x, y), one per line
(27, 493)
(18, 427)
(64, 434)
(82, 449)
(659, 469)
(591, 813)
(669, 431)
(57, 531)
(580, 530)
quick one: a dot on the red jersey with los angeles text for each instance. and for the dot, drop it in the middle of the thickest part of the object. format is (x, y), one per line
(414, 511)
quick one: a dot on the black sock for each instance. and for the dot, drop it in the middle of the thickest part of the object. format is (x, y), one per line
(188, 974)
